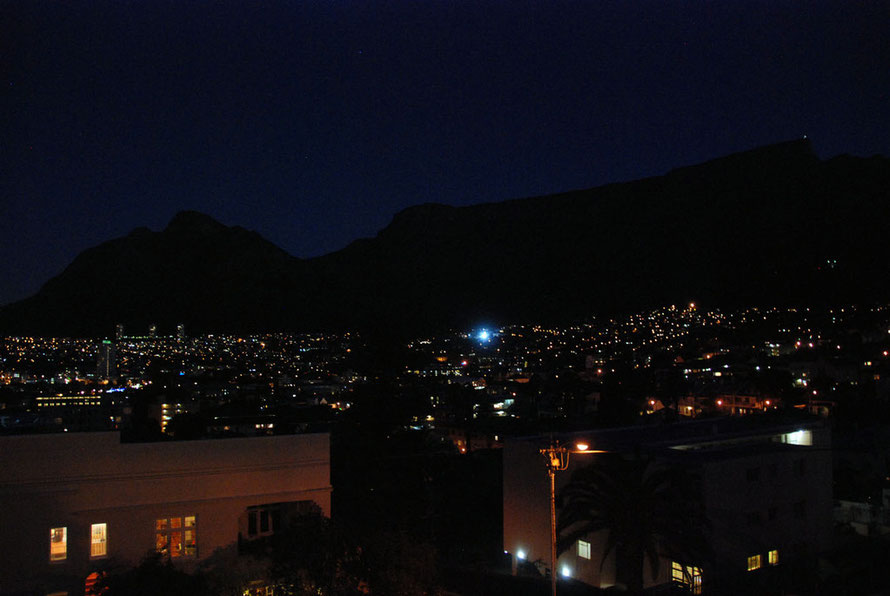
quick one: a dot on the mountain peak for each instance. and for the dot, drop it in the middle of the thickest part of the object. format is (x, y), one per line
(193, 222)
(745, 230)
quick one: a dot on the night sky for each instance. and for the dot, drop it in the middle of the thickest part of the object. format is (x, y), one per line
(314, 122)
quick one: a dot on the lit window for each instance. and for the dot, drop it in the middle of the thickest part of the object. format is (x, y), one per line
(687, 575)
(176, 536)
(773, 557)
(98, 542)
(58, 544)
(753, 562)
(583, 549)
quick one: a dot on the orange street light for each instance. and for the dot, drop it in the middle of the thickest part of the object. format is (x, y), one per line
(557, 457)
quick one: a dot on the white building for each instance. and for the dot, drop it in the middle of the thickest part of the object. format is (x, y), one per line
(766, 490)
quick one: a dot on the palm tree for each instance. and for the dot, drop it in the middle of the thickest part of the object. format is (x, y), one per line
(647, 510)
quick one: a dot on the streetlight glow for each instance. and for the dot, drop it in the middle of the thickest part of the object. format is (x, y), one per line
(557, 457)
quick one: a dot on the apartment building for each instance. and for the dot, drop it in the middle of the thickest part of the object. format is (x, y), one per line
(73, 504)
(765, 486)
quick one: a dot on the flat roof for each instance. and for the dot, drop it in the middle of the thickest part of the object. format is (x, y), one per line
(721, 431)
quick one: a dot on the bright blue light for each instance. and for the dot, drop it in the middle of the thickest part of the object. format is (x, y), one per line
(484, 335)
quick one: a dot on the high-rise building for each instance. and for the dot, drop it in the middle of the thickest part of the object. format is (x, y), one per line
(107, 364)
(118, 332)
(153, 331)
(180, 331)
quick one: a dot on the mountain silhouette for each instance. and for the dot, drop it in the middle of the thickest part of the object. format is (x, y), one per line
(771, 226)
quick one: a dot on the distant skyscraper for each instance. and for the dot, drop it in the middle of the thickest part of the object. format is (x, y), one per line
(118, 332)
(153, 331)
(107, 365)
(180, 331)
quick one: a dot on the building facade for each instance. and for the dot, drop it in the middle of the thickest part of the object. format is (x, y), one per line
(76, 503)
(765, 487)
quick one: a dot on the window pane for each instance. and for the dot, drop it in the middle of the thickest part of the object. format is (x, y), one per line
(191, 543)
(161, 524)
(58, 544)
(190, 521)
(175, 522)
(176, 543)
(583, 549)
(676, 572)
(161, 543)
(264, 521)
(98, 540)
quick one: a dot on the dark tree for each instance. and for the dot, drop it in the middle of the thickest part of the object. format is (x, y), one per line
(647, 510)
(312, 555)
(154, 575)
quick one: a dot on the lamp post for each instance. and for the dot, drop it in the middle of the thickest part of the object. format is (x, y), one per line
(557, 459)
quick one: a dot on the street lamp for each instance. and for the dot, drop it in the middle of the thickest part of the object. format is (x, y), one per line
(557, 459)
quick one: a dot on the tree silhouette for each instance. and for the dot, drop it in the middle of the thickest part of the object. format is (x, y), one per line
(154, 575)
(646, 509)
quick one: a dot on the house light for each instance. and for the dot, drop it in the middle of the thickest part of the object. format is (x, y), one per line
(520, 554)
(566, 572)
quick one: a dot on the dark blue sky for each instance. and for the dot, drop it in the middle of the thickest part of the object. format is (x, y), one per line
(314, 122)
